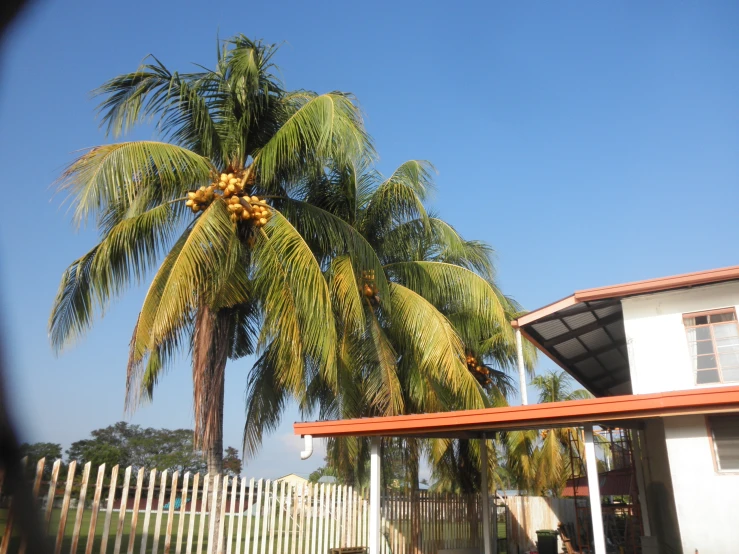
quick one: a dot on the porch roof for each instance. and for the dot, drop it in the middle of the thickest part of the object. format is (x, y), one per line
(622, 411)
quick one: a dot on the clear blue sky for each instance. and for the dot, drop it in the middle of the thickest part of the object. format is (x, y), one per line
(589, 143)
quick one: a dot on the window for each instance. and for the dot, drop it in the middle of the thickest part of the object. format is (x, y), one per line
(725, 433)
(713, 339)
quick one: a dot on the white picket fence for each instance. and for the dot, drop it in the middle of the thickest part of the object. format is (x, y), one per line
(146, 511)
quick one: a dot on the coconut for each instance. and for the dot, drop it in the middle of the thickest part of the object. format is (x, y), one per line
(245, 215)
(263, 221)
(224, 177)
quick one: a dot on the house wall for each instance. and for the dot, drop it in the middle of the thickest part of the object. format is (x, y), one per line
(707, 501)
(659, 359)
(658, 483)
(679, 449)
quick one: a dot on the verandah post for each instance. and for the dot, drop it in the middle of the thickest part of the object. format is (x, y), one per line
(374, 516)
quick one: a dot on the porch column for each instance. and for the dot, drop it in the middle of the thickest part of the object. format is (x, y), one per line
(521, 369)
(374, 515)
(599, 539)
(636, 438)
(485, 495)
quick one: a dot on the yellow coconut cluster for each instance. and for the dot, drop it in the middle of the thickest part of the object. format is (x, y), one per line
(481, 373)
(370, 290)
(242, 206)
(248, 209)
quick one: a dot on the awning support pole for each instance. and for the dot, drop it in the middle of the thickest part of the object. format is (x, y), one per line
(521, 369)
(485, 494)
(374, 515)
(636, 439)
(599, 539)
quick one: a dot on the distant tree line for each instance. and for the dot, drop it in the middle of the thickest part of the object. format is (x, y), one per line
(131, 445)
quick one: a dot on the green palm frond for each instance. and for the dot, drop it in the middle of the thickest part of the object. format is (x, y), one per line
(296, 302)
(122, 258)
(200, 260)
(345, 294)
(423, 333)
(317, 127)
(453, 289)
(383, 390)
(330, 236)
(266, 399)
(116, 173)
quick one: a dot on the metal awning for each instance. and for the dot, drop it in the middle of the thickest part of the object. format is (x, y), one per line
(584, 333)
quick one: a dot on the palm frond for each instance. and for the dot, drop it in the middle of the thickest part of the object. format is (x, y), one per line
(322, 127)
(422, 333)
(266, 399)
(296, 302)
(114, 174)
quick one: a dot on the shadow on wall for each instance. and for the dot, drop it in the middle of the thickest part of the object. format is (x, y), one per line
(529, 514)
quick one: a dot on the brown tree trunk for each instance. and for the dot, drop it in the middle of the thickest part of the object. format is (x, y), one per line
(469, 479)
(413, 464)
(210, 354)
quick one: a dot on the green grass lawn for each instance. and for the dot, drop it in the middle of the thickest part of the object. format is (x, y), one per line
(69, 528)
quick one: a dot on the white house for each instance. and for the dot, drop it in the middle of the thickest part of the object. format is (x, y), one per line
(662, 359)
(676, 333)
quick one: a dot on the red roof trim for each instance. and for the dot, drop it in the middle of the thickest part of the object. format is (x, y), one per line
(694, 401)
(630, 289)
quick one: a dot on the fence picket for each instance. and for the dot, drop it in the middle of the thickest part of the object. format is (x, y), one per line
(213, 513)
(95, 509)
(335, 518)
(240, 522)
(321, 516)
(273, 514)
(301, 529)
(281, 517)
(122, 511)
(51, 494)
(203, 512)
(232, 515)
(295, 528)
(160, 512)
(109, 508)
(170, 513)
(65, 507)
(250, 515)
(193, 511)
(256, 542)
(80, 508)
(183, 511)
(147, 513)
(222, 519)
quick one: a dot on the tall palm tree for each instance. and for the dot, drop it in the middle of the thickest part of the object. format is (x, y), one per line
(233, 276)
(552, 458)
(403, 329)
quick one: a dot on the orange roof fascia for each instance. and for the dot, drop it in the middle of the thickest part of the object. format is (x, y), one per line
(612, 408)
(660, 284)
(629, 289)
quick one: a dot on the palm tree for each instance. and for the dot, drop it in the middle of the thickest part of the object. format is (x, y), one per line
(233, 276)
(552, 458)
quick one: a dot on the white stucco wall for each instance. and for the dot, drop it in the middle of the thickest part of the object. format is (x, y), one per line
(707, 502)
(659, 359)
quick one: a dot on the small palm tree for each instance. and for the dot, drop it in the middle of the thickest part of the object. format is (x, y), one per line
(233, 276)
(552, 457)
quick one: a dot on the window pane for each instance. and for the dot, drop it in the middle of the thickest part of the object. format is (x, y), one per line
(702, 333)
(704, 347)
(725, 430)
(726, 331)
(701, 320)
(730, 375)
(716, 318)
(704, 377)
(729, 360)
(727, 345)
(706, 362)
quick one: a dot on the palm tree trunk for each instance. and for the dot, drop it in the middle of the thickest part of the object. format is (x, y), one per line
(468, 482)
(413, 461)
(210, 354)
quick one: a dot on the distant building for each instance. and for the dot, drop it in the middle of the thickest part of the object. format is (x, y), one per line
(292, 479)
(328, 479)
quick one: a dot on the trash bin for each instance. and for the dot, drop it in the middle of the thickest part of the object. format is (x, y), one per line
(546, 541)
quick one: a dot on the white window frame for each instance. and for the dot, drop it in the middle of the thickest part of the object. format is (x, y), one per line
(718, 368)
